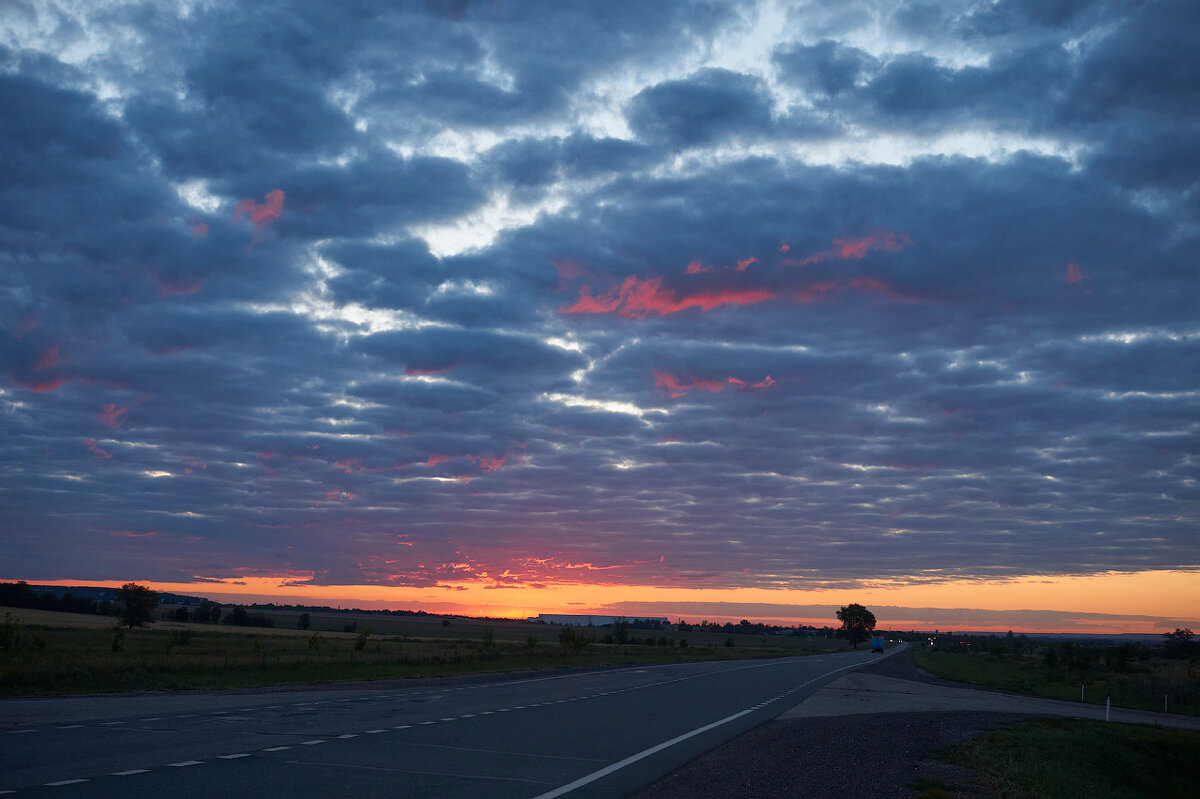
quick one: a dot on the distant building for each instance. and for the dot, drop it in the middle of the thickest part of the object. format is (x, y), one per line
(593, 621)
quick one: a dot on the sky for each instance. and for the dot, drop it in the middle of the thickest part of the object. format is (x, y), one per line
(701, 309)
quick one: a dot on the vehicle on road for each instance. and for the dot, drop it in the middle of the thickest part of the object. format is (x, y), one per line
(877, 644)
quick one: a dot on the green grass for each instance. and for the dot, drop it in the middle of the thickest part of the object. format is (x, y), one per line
(1141, 687)
(54, 658)
(1053, 758)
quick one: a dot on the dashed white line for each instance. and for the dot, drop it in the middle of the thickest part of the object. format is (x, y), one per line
(183, 763)
(373, 732)
(275, 748)
(156, 718)
(19, 732)
(131, 772)
(110, 723)
(71, 727)
(347, 735)
(234, 757)
(64, 782)
(312, 743)
(402, 727)
(449, 718)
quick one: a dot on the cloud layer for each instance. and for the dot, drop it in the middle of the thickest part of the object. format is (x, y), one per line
(511, 293)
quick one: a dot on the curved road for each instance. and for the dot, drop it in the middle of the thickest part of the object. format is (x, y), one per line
(586, 734)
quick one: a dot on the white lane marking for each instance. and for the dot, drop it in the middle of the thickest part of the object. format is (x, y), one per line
(488, 713)
(110, 723)
(156, 718)
(131, 772)
(424, 723)
(604, 772)
(347, 735)
(71, 727)
(19, 732)
(373, 732)
(312, 743)
(467, 716)
(64, 782)
(234, 757)
(187, 716)
(4, 792)
(274, 748)
(183, 763)
(402, 727)
(448, 718)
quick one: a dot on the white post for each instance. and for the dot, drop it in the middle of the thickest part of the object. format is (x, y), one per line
(1107, 700)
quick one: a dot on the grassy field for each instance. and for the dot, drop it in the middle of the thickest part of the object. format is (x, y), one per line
(1142, 685)
(1061, 758)
(66, 653)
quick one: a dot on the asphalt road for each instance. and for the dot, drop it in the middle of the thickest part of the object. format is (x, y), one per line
(586, 734)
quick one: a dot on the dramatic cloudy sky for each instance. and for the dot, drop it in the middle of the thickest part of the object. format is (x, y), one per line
(421, 300)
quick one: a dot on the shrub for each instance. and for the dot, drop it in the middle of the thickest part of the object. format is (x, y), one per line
(360, 643)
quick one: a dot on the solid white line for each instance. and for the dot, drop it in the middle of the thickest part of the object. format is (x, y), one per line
(604, 772)
(131, 772)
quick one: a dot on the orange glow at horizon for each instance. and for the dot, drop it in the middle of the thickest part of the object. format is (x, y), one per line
(1168, 597)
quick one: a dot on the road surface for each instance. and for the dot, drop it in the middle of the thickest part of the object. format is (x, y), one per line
(600, 733)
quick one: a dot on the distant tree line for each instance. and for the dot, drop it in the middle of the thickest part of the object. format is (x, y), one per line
(21, 595)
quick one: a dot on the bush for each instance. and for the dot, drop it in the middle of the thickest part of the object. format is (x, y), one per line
(729, 643)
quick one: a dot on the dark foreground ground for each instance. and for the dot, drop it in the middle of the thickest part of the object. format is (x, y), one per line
(877, 755)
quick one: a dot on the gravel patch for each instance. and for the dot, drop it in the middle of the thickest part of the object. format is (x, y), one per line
(875, 755)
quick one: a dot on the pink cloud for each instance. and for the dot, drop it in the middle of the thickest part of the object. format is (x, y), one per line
(110, 415)
(48, 360)
(638, 298)
(853, 249)
(434, 460)
(261, 215)
(95, 450)
(744, 263)
(1074, 273)
(679, 387)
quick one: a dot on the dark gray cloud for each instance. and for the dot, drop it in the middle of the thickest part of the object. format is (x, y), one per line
(570, 292)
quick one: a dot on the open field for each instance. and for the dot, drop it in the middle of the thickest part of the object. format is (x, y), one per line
(1053, 758)
(1140, 685)
(61, 653)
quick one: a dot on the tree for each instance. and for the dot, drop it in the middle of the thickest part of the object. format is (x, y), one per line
(136, 604)
(857, 622)
(304, 621)
(621, 630)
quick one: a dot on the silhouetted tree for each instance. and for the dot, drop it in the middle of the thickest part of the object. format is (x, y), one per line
(304, 622)
(857, 622)
(136, 604)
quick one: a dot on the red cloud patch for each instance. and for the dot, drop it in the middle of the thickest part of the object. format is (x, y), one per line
(638, 298)
(261, 215)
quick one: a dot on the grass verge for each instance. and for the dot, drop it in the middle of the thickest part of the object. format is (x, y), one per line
(1142, 687)
(47, 659)
(1053, 758)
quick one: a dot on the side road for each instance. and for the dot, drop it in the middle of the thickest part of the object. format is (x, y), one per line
(870, 733)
